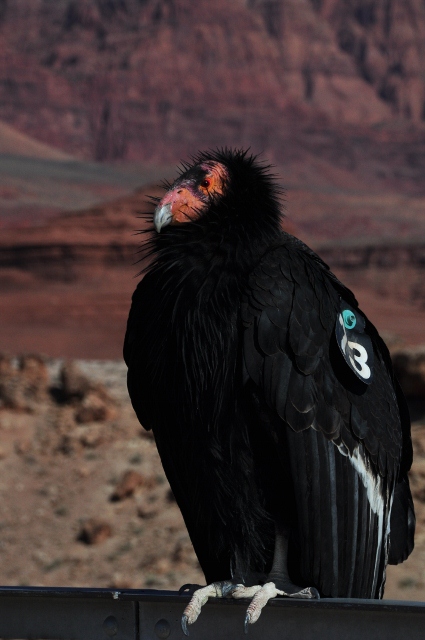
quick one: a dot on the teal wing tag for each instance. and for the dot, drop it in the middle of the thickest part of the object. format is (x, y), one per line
(354, 343)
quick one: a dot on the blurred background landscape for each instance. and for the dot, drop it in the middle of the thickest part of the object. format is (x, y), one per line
(99, 100)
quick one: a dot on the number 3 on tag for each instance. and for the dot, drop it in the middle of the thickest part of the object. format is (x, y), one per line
(361, 359)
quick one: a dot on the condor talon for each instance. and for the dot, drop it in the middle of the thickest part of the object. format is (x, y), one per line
(246, 623)
(184, 587)
(184, 625)
(189, 589)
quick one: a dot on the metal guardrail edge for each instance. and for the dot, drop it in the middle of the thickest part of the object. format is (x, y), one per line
(152, 595)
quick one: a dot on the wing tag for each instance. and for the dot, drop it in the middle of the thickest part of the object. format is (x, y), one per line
(354, 343)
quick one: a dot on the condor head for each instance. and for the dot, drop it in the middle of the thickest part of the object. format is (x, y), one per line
(227, 190)
(191, 194)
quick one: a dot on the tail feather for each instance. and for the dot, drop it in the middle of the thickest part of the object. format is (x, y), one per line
(402, 524)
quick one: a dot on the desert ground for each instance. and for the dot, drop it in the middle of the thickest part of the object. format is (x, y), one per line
(84, 500)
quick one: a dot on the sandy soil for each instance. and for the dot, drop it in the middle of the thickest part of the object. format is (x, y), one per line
(84, 500)
(60, 522)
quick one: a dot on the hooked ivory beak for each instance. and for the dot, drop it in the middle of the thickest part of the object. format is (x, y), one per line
(162, 216)
(179, 205)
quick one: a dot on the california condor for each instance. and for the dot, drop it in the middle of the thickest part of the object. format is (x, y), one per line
(280, 425)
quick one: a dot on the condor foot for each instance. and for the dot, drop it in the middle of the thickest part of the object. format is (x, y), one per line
(200, 597)
(262, 594)
(259, 594)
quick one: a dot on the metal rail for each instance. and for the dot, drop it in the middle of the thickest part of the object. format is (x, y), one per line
(99, 614)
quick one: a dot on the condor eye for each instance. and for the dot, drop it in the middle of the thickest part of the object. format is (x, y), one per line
(206, 182)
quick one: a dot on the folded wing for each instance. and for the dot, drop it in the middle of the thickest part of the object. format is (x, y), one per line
(348, 442)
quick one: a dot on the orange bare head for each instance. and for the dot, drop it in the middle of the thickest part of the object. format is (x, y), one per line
(191, 194)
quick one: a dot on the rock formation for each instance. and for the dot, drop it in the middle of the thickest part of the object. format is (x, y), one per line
(153, 80)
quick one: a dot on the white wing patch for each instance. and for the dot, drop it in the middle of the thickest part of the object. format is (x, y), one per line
(375, 494)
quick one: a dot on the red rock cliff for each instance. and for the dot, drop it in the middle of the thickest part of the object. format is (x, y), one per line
(152, 80)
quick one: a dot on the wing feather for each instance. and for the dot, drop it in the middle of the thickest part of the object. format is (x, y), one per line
(345, 439)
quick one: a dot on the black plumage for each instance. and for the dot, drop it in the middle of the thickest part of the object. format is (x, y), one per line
(260, 423)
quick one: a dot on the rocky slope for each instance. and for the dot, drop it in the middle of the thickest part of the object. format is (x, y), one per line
(12, 142)
(37, 184)
(302, 79)
(84, 500)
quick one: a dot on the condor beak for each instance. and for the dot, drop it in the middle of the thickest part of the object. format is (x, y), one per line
(162, 216)
(178, 205)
